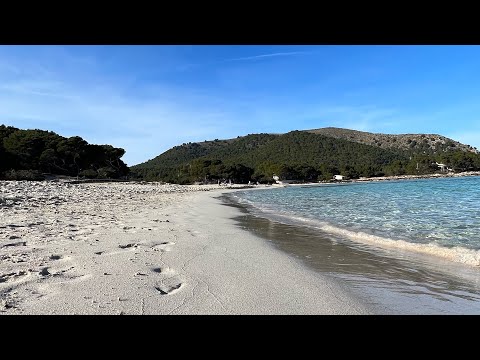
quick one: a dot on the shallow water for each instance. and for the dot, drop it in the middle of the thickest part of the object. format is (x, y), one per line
(434, 216)
(391, 279)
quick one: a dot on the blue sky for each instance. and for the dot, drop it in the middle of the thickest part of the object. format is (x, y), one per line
(147, 99)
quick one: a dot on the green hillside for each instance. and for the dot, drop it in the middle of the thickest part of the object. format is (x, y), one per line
(312, 155)
(303, 156)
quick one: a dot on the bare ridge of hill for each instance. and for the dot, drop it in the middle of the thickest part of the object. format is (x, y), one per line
(417, 143)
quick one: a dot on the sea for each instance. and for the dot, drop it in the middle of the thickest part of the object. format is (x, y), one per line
(402, 247)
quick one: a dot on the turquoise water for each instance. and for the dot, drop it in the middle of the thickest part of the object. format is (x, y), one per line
(438, 217)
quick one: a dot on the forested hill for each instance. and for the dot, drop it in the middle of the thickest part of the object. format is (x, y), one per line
(300, 155)
(215, 148)
(28, 154)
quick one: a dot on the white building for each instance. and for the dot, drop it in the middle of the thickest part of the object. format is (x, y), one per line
(282, 182)
(441, 166)
(338, 177)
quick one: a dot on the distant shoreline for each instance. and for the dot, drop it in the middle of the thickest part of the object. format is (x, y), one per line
(384, 178)
(410, 177)
(73, 180)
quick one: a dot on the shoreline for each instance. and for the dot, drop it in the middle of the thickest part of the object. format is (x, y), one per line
(460, 255)
(208, 187)
(411, 177)
(384, 278)
(387, 178)
(146, 249)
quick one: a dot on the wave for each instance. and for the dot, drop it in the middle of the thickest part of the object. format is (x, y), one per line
(457, 254)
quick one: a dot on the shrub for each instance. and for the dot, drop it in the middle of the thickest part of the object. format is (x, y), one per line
(89, 173)
(106, 173)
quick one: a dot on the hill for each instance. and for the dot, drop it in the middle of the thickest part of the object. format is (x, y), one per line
(28, 154)
(309, 155)
(410, 143)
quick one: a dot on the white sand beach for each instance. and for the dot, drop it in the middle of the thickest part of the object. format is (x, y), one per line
(130, 248)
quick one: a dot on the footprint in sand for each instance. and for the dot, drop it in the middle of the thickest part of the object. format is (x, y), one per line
(164, 246)
(44, 272)
(59, 258)
(163, 270)
(171, 284)
(169, 289)
(51, 272)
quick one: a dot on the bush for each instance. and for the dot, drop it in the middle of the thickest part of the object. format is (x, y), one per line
(89, 174)
(106, 173)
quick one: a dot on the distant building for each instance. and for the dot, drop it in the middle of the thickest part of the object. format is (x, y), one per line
(338, 177)
(442, 167)
(282, 182)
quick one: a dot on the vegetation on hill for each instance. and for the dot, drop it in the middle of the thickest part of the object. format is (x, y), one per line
(312, 155)
(27, 154)
(300, 155)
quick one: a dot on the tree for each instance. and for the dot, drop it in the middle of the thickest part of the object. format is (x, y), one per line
(45, 151)
(50, 162)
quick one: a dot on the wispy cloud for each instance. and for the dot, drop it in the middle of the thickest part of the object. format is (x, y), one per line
(278, 54)
(191, 66)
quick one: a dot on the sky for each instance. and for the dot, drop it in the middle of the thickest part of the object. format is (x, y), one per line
(147, 99)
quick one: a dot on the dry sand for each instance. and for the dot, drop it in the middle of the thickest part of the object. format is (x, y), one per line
(123, 248)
